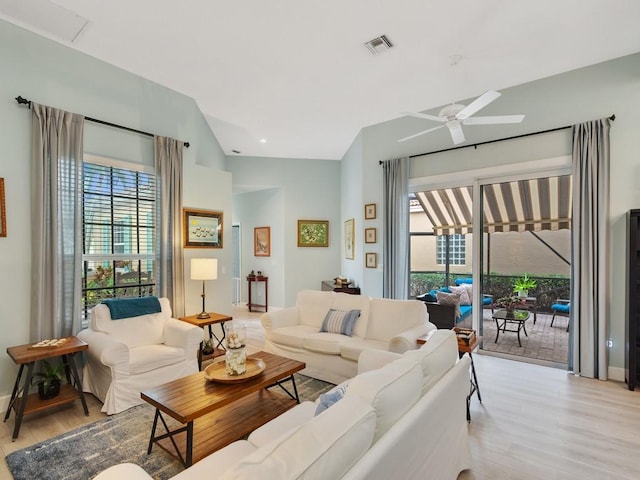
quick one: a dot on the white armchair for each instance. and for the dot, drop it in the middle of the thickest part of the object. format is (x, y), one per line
(129, 355)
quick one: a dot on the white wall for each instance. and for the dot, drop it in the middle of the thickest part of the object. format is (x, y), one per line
(310, 191)
(51, 74)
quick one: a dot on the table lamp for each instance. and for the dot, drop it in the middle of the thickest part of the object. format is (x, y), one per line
(204, 269)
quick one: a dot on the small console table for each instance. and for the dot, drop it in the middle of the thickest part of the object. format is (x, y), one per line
(329, 285)
(258, 280)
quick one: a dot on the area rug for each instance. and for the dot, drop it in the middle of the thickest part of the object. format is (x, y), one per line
(86, 451)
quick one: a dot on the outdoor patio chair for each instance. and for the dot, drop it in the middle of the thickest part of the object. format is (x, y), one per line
(561, 308)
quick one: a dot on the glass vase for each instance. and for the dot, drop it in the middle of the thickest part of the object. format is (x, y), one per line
(235, 361)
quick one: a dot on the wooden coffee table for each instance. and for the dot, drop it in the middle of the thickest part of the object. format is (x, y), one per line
(216, 414)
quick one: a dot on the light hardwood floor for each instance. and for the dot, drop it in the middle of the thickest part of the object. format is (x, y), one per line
(534, 422)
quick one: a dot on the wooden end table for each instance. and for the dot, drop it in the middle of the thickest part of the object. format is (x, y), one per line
(214, 318)
(26, 355)
(217, 414)
(473, 379)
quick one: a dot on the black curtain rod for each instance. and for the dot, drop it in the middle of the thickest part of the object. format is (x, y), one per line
(23, 101)
(476, 145)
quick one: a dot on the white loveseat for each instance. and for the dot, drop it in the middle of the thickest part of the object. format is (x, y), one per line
(401, 417)
(383, 324)
(129, 355)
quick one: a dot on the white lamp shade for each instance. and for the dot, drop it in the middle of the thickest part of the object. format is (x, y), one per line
(204, 268)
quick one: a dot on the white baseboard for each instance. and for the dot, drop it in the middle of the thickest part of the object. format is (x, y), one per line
(616, 373)
(4, 404)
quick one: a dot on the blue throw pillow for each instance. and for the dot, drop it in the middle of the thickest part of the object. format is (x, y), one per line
(132, 307)
(329, 398)
(340, 321)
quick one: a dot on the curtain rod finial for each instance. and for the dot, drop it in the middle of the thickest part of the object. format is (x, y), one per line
(187, 144)
(23, 101)
(612, 117)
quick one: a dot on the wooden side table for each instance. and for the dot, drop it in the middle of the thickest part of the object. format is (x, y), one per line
(214, 318)
(26, 355)
(473, 379)
(258, 279)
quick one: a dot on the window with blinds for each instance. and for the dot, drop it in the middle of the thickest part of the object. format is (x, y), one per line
(119, 233)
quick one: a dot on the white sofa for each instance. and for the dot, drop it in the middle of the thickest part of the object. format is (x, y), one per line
(383, 324)
(129, 355)
(401, 417)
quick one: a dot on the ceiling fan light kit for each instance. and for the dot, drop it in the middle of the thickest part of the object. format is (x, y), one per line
(455, 115)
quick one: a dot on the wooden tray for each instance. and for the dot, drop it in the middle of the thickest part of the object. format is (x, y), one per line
(216, 372)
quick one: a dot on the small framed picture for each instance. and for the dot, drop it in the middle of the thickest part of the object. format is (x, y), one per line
(262, 241)
(313, 233)
(370, 211)
(371, 260)
(369, 235)
(349, 240)
(202, 228)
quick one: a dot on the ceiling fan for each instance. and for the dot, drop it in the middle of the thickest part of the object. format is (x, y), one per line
(455, 115)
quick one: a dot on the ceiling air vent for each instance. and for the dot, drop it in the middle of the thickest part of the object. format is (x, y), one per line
(378, 44)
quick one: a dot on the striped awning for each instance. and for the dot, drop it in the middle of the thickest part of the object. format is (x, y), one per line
(536, 204)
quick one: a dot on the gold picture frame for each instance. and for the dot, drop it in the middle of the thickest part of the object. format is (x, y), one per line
(370, 211)
(262, 241)
(371, 260)
(3, 211)
(349, 239)
(370, 235)
(202, 228)
(313, 233)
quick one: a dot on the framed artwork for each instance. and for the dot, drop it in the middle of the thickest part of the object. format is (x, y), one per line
(349, 240)
(202, 228)
(262, 241)
(3, 211)
(369, 235)
(370, 211)
(371, 260)
(313, 233)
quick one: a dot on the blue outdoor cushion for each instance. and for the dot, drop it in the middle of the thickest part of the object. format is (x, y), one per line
(465, 311)
(460, 281)
(132, 307)
(561, 307)
(487, 300)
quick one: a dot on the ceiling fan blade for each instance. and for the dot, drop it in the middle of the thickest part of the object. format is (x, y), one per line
(420, 133)
(493, 120)
(479, 103)
(425, 116)
(456, 133)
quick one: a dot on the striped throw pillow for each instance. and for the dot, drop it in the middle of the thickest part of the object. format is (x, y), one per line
(340, 321)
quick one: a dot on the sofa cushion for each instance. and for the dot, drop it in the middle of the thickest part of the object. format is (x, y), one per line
(324, 342)
(150, 357)
(463, 291)
(389, 317)
(312, 306)
(390, 390)
(354, 347)
(328, 399)
(452, 299)
(344, 301)
(340, 321)
(436, 357)
(134, 331)
(218, 462)
(283, 423)
(326, 446)
(292, 336)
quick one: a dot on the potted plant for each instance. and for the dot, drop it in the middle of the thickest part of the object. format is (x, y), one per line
(509, 303)
(207, 347)
(48, 380)
(523, 284)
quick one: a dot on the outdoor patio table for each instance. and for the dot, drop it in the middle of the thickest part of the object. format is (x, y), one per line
(517, 318)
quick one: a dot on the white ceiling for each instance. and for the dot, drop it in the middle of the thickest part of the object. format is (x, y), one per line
(297, 74)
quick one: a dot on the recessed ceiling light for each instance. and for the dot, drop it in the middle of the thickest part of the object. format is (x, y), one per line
(263, 140)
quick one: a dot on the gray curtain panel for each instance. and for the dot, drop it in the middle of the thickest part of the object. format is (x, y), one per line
(396, 229)
(590, 245)
(56, 222)
(168, 164)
